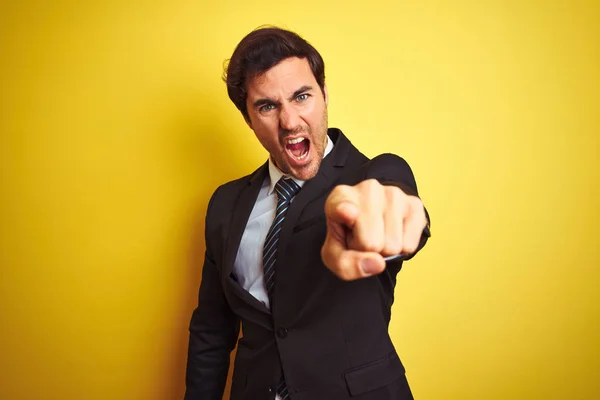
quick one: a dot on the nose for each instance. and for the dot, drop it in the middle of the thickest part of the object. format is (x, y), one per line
(289, 118)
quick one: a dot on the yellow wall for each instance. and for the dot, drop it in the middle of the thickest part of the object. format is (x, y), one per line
(115, 128)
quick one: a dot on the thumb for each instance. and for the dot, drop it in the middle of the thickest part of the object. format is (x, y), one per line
(350, 264)
(371, 263)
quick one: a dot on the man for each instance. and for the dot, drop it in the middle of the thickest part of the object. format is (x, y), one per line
(295, 251)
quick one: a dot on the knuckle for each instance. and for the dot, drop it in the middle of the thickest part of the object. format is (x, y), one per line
(346, 270)
(344, 275)
(339, 191)
(327, 257)
(391, 194)
(396, 198)
(372, 247)
(369, 243)
(394, 193)
(410, 246)
(369, 185)
(371, 182)
(392, 248)
(423, 221)
(409, 249)
(417, 204)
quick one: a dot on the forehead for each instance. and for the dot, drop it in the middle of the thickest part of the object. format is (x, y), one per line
(284, 78)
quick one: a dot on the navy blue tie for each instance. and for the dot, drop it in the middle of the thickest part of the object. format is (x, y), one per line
(286, 190)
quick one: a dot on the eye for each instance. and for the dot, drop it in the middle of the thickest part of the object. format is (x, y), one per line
(302, 97)
(266, 107)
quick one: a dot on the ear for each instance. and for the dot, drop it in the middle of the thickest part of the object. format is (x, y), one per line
(325, 94)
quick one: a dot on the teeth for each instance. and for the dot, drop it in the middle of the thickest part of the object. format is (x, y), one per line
(302, 157)
(294, 141)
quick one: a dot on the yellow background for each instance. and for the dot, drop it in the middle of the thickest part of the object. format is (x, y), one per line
(115, 129)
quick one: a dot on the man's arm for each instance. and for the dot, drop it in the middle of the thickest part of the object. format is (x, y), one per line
(214, 330)
(372, 220)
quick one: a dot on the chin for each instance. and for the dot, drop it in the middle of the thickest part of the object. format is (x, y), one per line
(309, 172)
(303, 173)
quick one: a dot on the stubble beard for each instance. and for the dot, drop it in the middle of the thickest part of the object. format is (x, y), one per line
(312, 168)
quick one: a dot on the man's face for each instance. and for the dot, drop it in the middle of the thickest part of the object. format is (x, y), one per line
(288, 113)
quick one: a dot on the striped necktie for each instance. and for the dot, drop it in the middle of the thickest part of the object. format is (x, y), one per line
(286, 189)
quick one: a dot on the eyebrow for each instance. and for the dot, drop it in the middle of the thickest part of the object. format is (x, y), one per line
(298, 92)
(264, 101)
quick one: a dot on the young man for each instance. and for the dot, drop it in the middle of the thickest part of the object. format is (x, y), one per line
(297, 251)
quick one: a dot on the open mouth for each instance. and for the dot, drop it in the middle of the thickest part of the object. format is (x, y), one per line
(298, 148)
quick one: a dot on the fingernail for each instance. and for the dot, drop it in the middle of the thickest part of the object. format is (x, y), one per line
(369, 266)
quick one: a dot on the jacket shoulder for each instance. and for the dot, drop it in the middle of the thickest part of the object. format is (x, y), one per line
(228, 191)
(391, 168)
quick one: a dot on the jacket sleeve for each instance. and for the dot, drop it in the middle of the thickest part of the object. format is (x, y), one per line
(214, 330)
(392, 170)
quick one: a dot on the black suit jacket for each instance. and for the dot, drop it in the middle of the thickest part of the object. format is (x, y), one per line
(330, 337)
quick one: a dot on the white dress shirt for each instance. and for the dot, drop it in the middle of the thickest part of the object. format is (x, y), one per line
(248, 266)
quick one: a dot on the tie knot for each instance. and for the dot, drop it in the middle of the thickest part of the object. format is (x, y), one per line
(286, 189)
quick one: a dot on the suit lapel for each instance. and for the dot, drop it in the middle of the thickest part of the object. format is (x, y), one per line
(239, 219)
(330, 170)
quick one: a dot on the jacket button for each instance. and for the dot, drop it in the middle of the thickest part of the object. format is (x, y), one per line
(282, 333)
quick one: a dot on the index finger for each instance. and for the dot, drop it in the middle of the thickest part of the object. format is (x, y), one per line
(342, 206)
(348, 264)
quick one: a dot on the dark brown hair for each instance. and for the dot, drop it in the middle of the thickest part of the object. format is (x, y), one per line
(260, 51)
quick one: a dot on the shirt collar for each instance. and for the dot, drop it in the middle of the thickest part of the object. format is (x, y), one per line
(275, 173)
